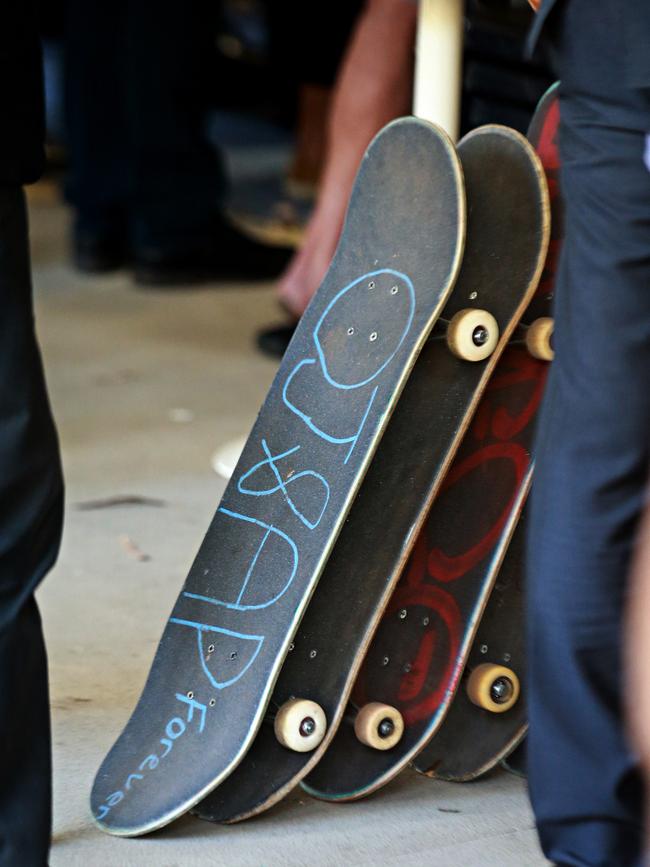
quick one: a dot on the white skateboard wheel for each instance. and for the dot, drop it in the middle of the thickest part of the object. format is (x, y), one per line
(493, 687)
(224, 460)
(473, 334)
(379, 726)
(538, 339)
(300, 725)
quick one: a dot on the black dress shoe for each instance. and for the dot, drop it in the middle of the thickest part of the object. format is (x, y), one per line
(228, 255)
(274, 341)
(97, 251)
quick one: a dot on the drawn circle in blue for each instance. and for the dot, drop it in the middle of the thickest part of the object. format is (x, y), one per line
(321, 355)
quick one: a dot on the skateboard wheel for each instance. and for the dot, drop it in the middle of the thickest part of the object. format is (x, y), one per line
(538, 339)
(473, 334)
(300, 725)
(379, 726)
(493, 687)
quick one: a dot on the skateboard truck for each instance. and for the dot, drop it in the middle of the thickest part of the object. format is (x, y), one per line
(473, 335)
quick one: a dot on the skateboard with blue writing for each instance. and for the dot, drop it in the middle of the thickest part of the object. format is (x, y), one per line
(235, 618)
(476, 734)
(428, 630)
(507, 237)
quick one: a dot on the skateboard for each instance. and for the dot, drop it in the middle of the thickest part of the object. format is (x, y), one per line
(506, 243)
(473, 739)
(413, 666)
(235, 617)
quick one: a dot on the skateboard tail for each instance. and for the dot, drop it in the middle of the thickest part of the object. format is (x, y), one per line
(230, 630)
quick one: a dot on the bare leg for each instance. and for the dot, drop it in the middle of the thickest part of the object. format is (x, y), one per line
(637, 657)
(304, 174)
(374, 86)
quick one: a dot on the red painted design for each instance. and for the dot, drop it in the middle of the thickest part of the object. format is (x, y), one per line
(449, 568)
(417, 702)
(529, 373)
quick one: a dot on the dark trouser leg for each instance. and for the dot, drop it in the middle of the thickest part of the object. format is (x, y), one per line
(31, 500)
(99, 176)
(593, 448)
(138, 84)
(178, 177)
(310, 61)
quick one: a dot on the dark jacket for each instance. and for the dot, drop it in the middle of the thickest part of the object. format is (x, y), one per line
(635, 64)
(538, 23)
(21, 94)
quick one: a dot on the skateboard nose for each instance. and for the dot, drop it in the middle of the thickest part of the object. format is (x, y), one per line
(364, 326)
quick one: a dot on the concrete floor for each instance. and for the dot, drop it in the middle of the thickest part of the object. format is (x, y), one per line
(145, 385)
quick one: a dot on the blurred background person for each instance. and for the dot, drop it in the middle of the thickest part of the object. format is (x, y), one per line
(147, 186)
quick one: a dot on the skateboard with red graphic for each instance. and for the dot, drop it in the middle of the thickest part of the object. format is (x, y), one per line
(473, 739)
(506, 245)
(235, 618)
(451, 638)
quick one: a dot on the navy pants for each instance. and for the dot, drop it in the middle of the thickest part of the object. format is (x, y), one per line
(31, 500)
(592, 453)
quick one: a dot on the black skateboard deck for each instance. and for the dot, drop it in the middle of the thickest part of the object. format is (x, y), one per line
(423, 641)
(504, 255)
(233, 622)
(472, 740)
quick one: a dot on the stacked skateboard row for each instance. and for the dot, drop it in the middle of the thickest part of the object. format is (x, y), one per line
(356, 604)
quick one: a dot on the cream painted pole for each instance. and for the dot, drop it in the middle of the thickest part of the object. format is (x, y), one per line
(438, 63)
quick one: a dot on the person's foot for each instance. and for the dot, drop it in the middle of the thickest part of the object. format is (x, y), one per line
(229, 255)
(99, 246)
(274, 341)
